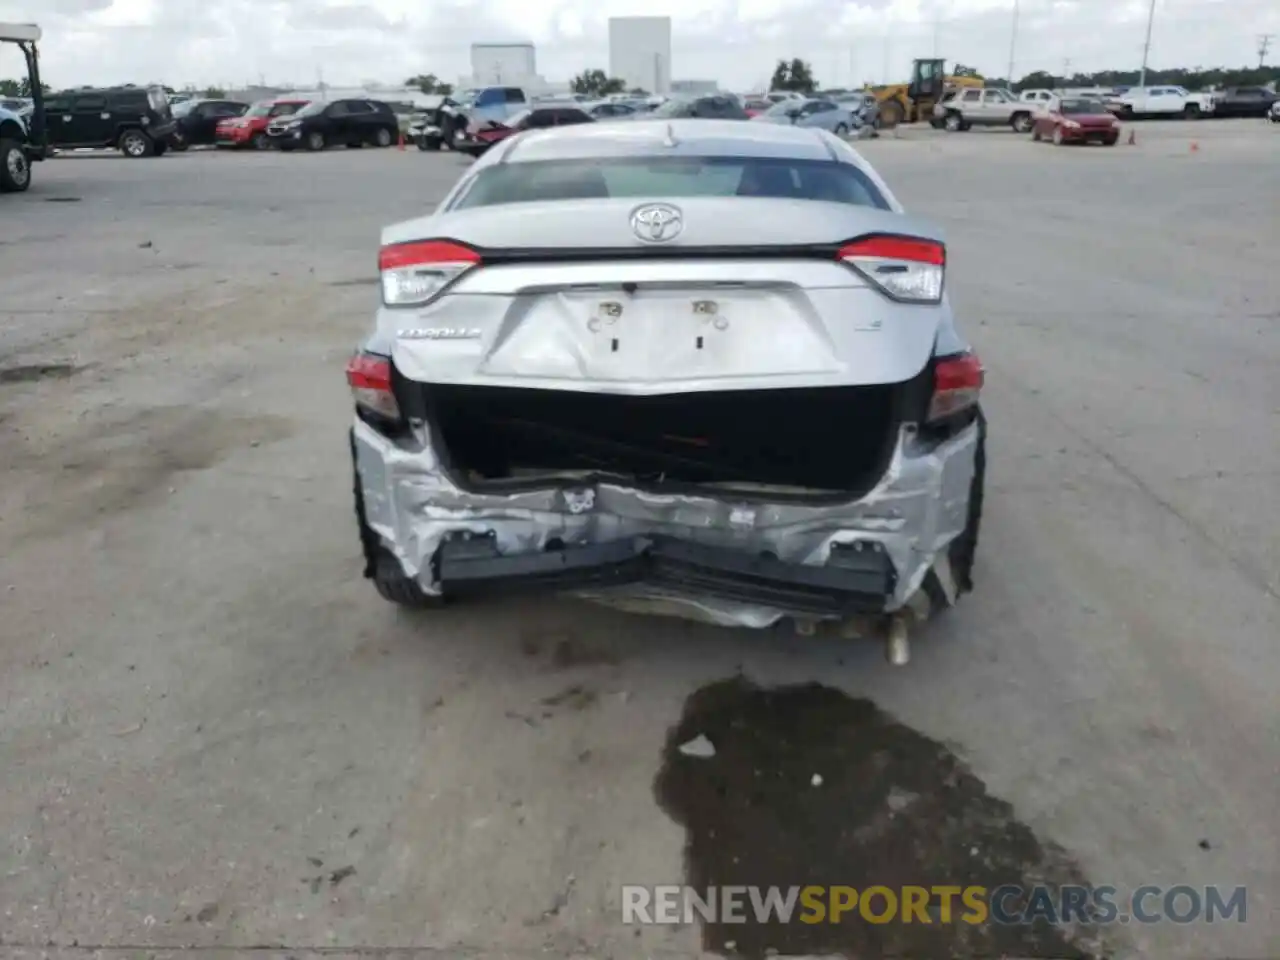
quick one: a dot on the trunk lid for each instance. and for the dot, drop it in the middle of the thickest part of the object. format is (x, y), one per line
(707, 311)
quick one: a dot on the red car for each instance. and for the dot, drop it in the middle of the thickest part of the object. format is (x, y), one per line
(1076, 120)
(250, 130)
(756, 106)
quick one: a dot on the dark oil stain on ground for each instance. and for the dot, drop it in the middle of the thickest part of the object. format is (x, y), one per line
(893, 809)
(30, 373)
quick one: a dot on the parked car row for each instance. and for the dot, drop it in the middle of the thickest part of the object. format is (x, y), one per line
(146, 122)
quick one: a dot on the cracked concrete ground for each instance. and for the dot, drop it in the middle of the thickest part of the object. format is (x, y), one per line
(213, 735)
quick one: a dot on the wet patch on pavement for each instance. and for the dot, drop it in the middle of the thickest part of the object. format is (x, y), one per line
(804, 785)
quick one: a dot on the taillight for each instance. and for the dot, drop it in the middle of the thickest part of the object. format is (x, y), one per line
(369, 376)
(905, 268)
(957, 383)
(414, 273)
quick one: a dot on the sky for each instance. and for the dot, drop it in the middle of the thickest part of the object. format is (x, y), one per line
(232, 43)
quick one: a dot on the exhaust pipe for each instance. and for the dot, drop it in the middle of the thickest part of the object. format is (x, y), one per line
(897, 646)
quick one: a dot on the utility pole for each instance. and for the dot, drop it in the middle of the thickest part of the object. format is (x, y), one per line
(1264, 44)
(1013, 43)
(1066, 70)
(1146, 46)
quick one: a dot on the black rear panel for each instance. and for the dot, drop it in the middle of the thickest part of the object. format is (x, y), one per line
(829, 439)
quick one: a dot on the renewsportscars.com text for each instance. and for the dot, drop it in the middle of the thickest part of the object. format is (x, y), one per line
(1007, 905)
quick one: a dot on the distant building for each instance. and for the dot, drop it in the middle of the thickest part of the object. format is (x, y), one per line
(695, 88)
(495, 64)
(640, 52)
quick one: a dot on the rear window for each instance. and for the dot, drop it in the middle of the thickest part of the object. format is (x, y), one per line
(671, 177)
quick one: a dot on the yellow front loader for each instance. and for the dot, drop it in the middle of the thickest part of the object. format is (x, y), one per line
(913, 102)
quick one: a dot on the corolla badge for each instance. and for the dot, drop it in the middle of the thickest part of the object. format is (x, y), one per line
(657, 222)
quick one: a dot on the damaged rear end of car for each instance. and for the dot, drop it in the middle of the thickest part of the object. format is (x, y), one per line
(717, 379)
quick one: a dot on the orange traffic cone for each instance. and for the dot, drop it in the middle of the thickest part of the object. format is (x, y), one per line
(400, 145)
(1195, 147)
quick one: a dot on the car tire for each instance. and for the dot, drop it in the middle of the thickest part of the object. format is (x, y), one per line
(380, 566)
(316, 141)
(135, 144)
(964, 549)
(15, 167)
(1021, 122)
(384, 137)
(178, 143)
(1191, 111)
(953, 122)
(259, 141)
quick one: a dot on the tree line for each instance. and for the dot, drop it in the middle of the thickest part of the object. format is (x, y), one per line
(797, 74)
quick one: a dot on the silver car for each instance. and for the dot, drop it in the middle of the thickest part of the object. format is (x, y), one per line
(696, 366)
(817, 112)
(864, 106)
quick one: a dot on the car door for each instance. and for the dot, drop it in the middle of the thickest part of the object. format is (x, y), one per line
(363, 121)
(57, 119)
(827, 116)
(1251, 102)
(970, 104)
(90, 122)
(568, 116)
(335, 122)
(994, 108)
(204, 120)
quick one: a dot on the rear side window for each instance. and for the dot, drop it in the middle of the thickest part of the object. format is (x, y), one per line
(567, 116)
(671, 177)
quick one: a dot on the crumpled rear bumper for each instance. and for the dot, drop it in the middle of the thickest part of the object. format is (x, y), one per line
(710, 555)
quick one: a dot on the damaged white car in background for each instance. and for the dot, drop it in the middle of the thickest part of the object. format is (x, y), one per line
(694, 367)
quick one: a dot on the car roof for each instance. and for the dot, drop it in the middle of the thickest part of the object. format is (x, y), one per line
(699, 138)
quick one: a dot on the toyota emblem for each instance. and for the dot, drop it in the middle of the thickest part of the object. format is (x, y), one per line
(657, 222)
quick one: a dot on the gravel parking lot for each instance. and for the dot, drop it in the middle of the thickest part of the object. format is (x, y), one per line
(213, 734)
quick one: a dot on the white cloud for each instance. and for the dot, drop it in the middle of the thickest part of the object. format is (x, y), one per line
(233, 42)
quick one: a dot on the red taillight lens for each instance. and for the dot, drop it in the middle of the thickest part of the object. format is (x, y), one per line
(369, 376)
(908, 269)
(957, 384)
(415, 273)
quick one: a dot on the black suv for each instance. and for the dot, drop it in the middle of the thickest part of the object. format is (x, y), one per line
(136, 120)
(351, 122)
(197, 120)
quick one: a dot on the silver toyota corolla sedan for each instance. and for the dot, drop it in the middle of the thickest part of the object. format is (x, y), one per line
(697, 367)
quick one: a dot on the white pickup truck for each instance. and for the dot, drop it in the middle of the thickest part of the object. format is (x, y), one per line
(1165, 101)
